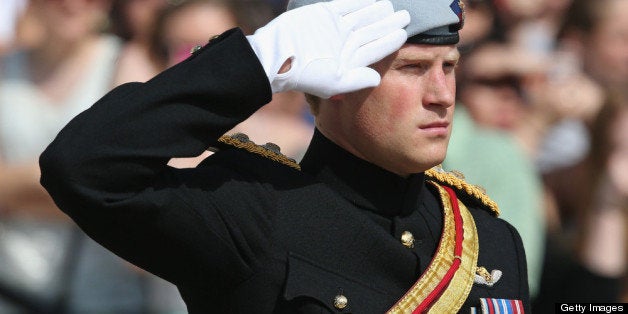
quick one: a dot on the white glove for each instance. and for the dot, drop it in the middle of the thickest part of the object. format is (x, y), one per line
(330, 45)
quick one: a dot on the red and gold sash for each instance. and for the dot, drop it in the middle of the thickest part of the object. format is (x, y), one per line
(446, 283)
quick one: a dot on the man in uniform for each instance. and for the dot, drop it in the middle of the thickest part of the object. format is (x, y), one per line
(364, 224)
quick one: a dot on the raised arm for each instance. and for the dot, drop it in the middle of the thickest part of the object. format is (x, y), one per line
(107, 169)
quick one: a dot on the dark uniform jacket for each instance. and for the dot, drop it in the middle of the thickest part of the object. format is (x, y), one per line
(243, 233)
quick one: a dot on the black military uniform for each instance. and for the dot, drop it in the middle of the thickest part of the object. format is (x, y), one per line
(247, 231)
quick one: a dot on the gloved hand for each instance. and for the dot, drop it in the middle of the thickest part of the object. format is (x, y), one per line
(330, 45)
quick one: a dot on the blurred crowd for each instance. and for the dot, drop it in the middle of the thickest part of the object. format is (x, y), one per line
(541, 124)
(552, 78)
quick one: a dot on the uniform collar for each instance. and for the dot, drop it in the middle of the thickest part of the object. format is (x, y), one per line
(360, 182)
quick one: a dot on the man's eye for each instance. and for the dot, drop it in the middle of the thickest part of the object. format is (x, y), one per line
(415, 67)
(448, 66)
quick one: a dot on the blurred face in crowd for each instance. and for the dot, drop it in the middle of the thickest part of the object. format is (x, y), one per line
(140, 15)
(606, 52)
(491, 84)
(519, 9)
(403, 125)
(494, 103)
(195, 25)
(71, 20)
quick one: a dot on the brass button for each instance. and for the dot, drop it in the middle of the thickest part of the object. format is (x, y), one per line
(196, 48)
(340, 301)
(407, 239)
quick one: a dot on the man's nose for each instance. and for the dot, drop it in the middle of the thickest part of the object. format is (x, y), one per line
(441, 88)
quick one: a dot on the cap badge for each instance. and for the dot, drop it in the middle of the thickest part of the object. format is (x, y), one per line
(458, 7)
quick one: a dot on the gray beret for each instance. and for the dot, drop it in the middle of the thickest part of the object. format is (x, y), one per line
(434, 22)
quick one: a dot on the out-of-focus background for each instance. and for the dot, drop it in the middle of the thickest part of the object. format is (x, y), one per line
(541, 123)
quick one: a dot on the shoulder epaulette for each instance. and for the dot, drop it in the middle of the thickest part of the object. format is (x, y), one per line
(455, 179)
(269, 150)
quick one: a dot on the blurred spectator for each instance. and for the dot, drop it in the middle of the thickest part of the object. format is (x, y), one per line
(281, 122)
(531, 25)
(480, 18)
(543, 79)
(491, 85)
(160, 33)
(11, 12)
(543, 102)
(186, 24)
(133, 21)
(541, 83)
(588, 253)
(30, 30)
(47, 264)
(513, 14)
(545, 94)
(597, 33)
(603, 245)
(492, 71)
(592, 51)
(183, 26)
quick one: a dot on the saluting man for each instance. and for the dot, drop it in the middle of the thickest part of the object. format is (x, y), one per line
(366, 223)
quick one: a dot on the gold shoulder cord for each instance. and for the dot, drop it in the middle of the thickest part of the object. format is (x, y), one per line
(455, 180)
(250, 146)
